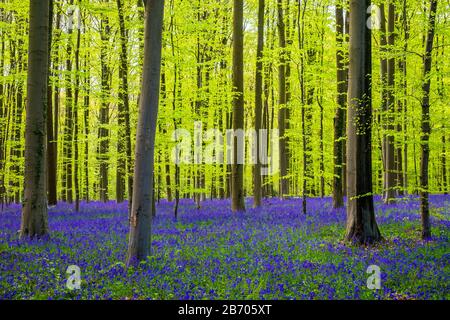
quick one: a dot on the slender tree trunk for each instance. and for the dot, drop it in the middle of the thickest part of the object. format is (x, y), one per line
(103, 131)
(3, 121)
(426, 128)
(75, 124)
(282, 113)
(402, 129)
(139, 245)
(16, 100)
(339, 118)
(257, 193)
(390, 172)
(164, 132)
(198, 114)
(301, 44)
(361, 224)
(34, 214)
(56, 104)
(175, 95)
(384, 93)
(237, 168)
(68, 121)
(51, 145)
(346, 67)
(125, 115)
(86, 128)
(444, 165)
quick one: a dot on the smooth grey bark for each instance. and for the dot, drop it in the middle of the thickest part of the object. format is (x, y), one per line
(139, 243)
(237, 168)
(361, 224)
(34, 214)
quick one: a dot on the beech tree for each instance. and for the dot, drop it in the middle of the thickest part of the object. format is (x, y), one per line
(34, 213)
(294, 73)
(257, 191)
(237, 168)
(426, 127)
(339, 119)
(139, 242)
(361, 224)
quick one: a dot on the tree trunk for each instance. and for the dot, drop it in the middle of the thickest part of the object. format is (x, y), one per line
(3, 115)
(87, 83)
(139, 245)
(237, 167)
(444, 165)
(339, 124)
(282, 111)
(361, 225)
(176, 91)
(68, 122)
(51, 143)
(76, 125)
(402, 163)
(103, 131)
(426, 128)
(34, 214)
(56, 104)
(257, 193)
(124, 111)
(390, 167)
(301, 41)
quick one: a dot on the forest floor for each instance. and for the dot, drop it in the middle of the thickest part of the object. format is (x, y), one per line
(273, 252)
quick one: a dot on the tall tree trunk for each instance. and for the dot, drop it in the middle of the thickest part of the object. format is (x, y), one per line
(124, 115)
(175, 91)
(34, 213)
(198, 174)
(346, 67)
(361, 224)
(237, 168)
(76, 183)
(426, 128)
(257, 193)
(339, 119)
(139, 245)
(18, 152)
(51, 144)
(390, 167)
(163, 130)
(282, 116)
(86, 128)
(3, 115)
(103, 131)
(301, 44)
(444, 165)
(384, 102)
(56, 103)
(68, 122)
(402, 163)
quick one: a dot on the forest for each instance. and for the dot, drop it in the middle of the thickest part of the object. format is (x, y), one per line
(224, 149)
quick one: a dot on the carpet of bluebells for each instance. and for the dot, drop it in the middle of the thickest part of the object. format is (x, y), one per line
(274, 252)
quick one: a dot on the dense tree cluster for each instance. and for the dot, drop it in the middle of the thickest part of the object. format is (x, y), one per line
(92, 94)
